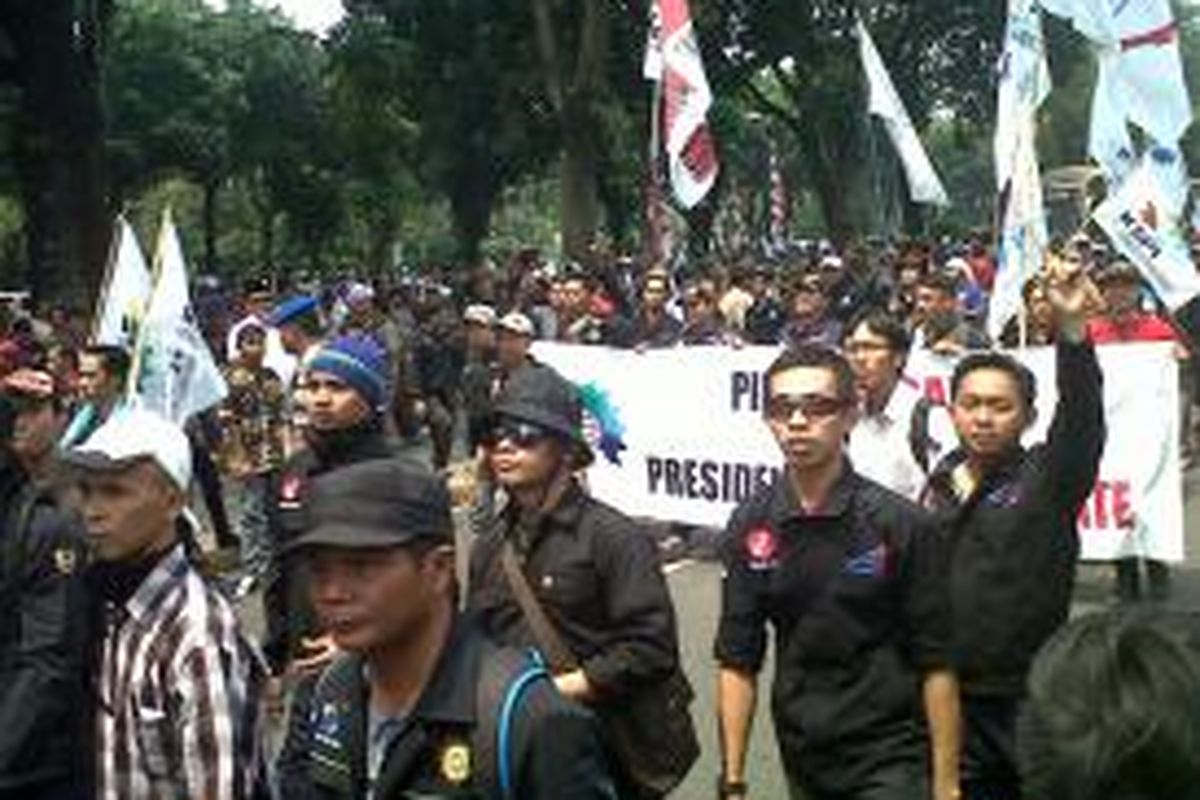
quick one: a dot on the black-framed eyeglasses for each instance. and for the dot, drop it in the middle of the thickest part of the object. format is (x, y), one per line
(524, 435)
(865, 348)
(782, 407)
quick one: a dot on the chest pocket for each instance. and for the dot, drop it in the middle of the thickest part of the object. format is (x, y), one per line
(854, 598)
(155, 740)
(572, 589)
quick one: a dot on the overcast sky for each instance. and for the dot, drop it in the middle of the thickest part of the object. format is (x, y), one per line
(313, 15)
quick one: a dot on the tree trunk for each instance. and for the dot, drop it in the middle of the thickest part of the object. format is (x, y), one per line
(211, 189)
(60, 149)
(573, 66)
(471, 209)
(578, 191)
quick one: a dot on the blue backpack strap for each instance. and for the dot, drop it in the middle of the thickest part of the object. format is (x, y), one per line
(535, 670)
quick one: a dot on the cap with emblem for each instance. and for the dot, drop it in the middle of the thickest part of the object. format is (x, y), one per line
(516, 323)
(131, 435)
(358, 294)
(257, 286)
(479, 314)
(376, 504)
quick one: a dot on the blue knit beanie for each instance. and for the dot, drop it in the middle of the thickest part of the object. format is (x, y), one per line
(360, 362)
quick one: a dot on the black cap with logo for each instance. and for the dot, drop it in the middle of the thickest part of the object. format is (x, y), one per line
(376, 504)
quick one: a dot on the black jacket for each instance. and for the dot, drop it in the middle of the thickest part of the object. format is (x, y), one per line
(554, 751)
(596, 574)
(288, 611)
(42, 643)
(1014, 542)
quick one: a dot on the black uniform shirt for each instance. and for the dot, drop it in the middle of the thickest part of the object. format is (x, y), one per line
(855, 595)
(447, 747)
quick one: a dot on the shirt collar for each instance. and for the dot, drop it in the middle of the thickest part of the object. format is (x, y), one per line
(450, 695)
(785, 506)
(169, 571)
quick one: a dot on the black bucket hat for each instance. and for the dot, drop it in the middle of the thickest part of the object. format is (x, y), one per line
(537, 394)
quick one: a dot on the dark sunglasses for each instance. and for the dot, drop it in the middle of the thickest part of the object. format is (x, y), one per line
(524, 435)
(782, 407)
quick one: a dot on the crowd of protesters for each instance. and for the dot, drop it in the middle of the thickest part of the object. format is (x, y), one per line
(912, 560)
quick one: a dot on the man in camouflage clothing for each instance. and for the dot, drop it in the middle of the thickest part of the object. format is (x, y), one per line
(253, 427)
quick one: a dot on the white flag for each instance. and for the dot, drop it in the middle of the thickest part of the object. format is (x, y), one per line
(1141, 71)
(691, 154)
(924, 186)
(652, 64)
(1143, 221)
(1024, 85)
(125, 293)
(1109, 142)
(1092, 18)
(176, 373)
(1150, 71)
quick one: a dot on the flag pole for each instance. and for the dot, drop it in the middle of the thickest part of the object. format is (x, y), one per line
(654, 196)
(114, 249)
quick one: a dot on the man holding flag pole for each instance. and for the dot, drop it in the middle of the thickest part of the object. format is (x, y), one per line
(104, 363)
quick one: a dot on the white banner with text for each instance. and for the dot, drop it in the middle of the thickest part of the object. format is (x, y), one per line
(679, 435)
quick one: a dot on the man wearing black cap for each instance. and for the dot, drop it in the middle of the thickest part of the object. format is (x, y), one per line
(346, 386)
(561, 571)
(421, 703)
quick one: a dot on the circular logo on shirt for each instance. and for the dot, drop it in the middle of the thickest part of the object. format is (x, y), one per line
(762, 547)
(290, 489)
(455, 763)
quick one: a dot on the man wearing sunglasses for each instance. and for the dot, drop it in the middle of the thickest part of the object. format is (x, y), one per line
(592, 572)
(849, 576)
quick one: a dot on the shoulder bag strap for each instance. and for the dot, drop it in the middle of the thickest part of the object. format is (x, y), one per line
(557, 654)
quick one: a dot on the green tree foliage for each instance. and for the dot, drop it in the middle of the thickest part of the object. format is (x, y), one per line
(797, 62)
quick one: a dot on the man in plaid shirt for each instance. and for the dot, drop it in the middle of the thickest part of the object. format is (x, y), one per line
(177, 685)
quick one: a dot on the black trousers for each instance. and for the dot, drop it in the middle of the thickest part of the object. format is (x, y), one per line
(895, 767)
(989, 763)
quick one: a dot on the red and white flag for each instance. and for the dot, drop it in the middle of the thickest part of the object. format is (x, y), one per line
(1140, 79)
(675, 61)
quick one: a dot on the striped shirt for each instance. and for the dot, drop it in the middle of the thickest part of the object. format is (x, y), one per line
(179, 691)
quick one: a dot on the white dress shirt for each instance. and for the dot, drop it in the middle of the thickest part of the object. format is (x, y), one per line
(880, 448)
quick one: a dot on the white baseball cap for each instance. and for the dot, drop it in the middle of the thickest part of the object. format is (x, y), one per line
(479, 314)
(518, 323)
(133, 434)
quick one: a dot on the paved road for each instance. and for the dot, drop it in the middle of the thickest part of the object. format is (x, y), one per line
(695, 589)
